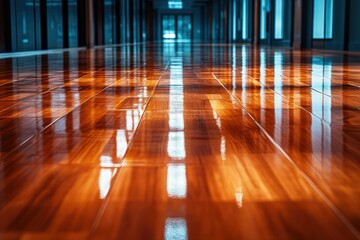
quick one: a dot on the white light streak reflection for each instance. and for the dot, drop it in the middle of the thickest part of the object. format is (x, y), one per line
(105, 178)
(106, 161)
(132, 119)
(321, 83)
(175, 229)
(244, 59)
(263, 67)
(217, 119)
(176, 145)
(176, 121)
(121, 144)
(278, 83)
(234, 69)
(176, 136)
(239, 197)
(176, 181)
(223, 148)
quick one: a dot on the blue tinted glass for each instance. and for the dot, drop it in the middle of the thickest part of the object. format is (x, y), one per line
(323, 19)
(73, 23)
(265, 8)
(319, 18)
(329, 18)
(234, 20)
(109, 18)
(279, 19)
(168, 24)
(245, 19)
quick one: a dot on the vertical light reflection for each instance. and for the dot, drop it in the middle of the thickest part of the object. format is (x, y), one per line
(132, 118)
(263, 84)
(321, 83)
(234, 69)
(176, 136)
(106, 161)
(278, 71)
(176, 145)
(263, 67)
(223, 148)
(175, 228)
(223, 139)
(121, 143)
(321, 105)
(217, 119)
(105, 179)
(239, 195)
(176, 121)
(278, 82)
(176, 181)
(244, 72)
(106, 176)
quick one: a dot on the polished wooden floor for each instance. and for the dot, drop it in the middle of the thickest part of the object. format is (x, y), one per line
(180, 141)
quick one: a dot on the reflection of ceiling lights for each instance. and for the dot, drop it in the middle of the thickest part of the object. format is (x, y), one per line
(175, 4)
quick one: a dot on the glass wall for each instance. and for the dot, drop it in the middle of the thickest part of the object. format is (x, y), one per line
(135, 21)
(168, 27)
(264, 15)
(184, 27)
(323, 19)
(54, 24)
(109, 22)
(25, 24)
(245, 17)
(234, 20)
(279, 19)
(123, 21)
(73, 23)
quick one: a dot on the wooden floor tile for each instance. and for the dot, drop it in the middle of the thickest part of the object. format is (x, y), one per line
(180, 141)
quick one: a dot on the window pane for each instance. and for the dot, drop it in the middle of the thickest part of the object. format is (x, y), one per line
(245, 19)
(25, 25)
(279, 19)
(168, 24)
(183, 27)
(109, 18)
(329, 18)
(54, 24)
(323, 19)
(180, 22)
(73, 24)
(265, 8)
(234, 20)
(319, 19)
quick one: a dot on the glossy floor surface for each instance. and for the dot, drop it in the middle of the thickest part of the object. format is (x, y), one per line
(180, 141)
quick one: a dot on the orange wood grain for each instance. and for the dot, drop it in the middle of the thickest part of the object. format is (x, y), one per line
(196, 141)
